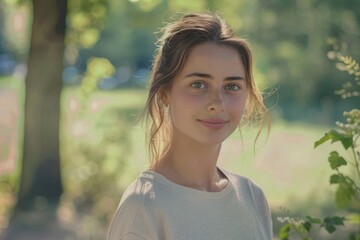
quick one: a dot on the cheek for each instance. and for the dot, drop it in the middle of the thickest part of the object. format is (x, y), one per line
(236, 110)
(183, 100)
(237, 106)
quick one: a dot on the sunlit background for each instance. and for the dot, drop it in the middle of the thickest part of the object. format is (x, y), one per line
(109, 46)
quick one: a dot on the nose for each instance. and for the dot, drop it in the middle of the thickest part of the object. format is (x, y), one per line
(216, 102)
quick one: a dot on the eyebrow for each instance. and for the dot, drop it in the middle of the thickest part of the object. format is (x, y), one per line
(205, 75)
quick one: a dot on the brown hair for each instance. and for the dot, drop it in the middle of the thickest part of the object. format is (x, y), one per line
(178, 38)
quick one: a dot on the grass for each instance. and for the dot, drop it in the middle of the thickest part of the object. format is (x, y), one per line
(286, 165)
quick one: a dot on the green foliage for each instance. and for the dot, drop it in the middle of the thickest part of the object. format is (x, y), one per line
(304, 227)
(351, 66)
(336, 160)
(86, 20)
(96, 145)
(347, 194)
(97, 68)
(348, 134)
(335, 136)
(93, 166)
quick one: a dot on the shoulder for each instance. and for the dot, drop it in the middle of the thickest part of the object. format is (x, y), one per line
(244, 184)
(136, 195)
(139, 191)
(134, 215)
(246, 187)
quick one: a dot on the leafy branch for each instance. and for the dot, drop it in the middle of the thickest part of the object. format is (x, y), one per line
(347, 195)
(351, 66)
(304, 227)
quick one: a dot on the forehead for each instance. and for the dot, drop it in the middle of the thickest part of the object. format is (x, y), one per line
(214, 59)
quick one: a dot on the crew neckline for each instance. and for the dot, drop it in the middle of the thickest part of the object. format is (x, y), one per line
(191, 191)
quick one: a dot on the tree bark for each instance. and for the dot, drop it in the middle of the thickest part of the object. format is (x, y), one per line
(40, 183)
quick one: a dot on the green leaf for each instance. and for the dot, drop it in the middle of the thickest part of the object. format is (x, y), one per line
(336, 160)
(330, 228)
(328, 220)
(335, 178)
(343, 195)
(338, 220)
(335, 136)
(285, 232)
(313, 220)
(335, 220)
(307, 225)
(323, 139)
(331, 222)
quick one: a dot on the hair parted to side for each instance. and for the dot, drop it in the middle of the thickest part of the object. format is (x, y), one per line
(178, 39)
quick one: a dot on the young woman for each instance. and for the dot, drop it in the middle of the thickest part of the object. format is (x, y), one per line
(201, 90)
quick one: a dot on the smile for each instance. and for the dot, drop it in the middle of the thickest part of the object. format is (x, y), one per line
(213, 123)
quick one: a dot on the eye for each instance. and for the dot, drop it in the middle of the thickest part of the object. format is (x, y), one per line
(232, 87)
(198, 85)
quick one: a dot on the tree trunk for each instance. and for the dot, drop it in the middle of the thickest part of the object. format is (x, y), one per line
(40, 178)
(40, 185)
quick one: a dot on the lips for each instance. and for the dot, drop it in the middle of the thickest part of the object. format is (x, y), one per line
(213, 123)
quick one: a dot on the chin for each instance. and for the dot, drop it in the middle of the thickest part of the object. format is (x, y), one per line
(213, 140)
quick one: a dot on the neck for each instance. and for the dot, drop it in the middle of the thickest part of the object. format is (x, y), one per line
(192, 164)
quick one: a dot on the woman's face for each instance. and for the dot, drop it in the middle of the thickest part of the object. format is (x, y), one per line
(208, 96)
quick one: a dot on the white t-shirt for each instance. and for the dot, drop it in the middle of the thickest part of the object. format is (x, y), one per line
(153, 207)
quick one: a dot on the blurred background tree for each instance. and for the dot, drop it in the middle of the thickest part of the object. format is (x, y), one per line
(40, 182)
(40, 185)
(106, 59)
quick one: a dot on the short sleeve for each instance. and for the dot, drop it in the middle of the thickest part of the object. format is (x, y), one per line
(134, 218)
(263, 210)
